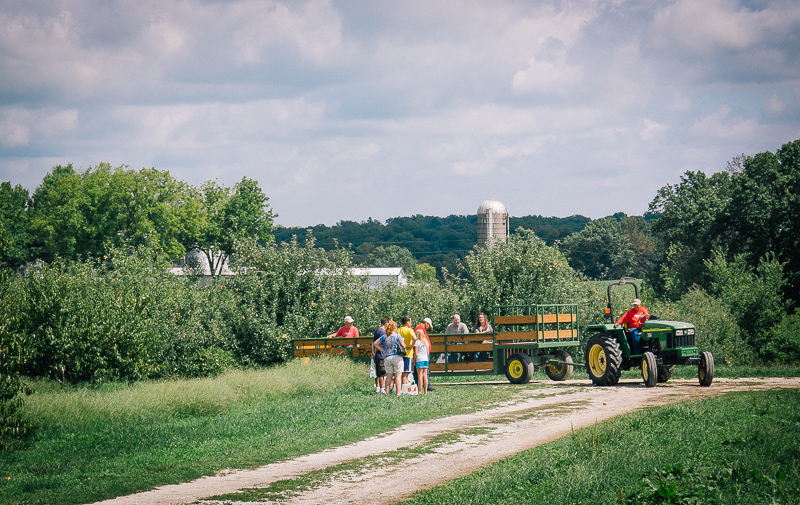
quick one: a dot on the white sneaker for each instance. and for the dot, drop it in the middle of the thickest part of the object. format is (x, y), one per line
(377, 389)
(382, 390)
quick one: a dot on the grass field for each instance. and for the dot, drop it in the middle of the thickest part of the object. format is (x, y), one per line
(743, 448)
(94, 444)
(99, 442)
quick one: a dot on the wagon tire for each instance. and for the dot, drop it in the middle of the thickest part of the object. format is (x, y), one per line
(603, 360)
(560, 372)
(519, 368)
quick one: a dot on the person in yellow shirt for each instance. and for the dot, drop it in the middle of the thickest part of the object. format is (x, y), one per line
(408, 337)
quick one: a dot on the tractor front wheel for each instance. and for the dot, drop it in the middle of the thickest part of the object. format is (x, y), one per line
(649, 369)
(519, 368)
(559, 372)
(705, 371)
(603, 360)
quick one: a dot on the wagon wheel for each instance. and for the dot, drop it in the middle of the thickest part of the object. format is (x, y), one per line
(519, 368)
(560, 372)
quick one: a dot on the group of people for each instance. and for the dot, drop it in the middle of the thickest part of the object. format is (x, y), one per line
(400, 351)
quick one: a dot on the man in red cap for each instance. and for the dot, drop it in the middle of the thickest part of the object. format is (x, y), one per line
(635, 317)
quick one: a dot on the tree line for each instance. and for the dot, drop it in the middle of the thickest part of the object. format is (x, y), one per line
(437, 242)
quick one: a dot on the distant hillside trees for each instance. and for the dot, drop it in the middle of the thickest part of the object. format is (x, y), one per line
(442, 242)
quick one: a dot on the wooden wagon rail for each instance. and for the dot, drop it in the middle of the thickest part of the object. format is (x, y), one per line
(536, 330)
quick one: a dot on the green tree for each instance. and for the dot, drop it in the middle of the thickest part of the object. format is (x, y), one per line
(752, 294)
(103, 208)
(763, 213)
(644, 246)
(14, 224)
(523, 270)
(426, 273)
(600, 250)
(227, 215)
(56, 214)
(126, 208)
(390, 256)
(689, 226)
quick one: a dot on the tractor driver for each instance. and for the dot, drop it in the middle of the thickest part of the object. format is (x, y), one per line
(635, 317)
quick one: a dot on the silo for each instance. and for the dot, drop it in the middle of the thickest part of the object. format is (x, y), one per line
(492, 222)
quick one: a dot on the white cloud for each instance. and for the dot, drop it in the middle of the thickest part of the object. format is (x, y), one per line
(15, 128)
(719, 125)
(709, 25)
(473, 168)
(652, 129)
(21, 127)
(207, 124)
(547, 77)
(358, 153)
(774, 105)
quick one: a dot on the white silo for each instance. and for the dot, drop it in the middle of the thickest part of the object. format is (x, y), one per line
(492, 222)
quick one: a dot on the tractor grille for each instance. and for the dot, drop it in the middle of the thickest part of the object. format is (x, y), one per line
(682, 340)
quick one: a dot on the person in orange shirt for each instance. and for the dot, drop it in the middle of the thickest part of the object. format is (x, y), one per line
(635, 317)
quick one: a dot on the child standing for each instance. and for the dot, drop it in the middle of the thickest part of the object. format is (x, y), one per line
(421, 360)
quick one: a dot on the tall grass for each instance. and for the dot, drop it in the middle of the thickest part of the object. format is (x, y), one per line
(69, 407)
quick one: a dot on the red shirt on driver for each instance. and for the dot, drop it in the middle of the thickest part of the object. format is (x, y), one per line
(635, 317)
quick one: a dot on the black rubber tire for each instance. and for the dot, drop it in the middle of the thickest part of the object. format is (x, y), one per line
(705, 370)
(559, 372)
(519, 368)
(603, 360)
(649, 369)
(665, 372)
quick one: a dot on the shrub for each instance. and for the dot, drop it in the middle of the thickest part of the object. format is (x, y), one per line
(717, 330)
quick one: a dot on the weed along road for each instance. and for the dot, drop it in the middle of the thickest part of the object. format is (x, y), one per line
(430, 453)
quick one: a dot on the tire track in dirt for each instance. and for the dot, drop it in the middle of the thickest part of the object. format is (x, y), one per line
(476, 440)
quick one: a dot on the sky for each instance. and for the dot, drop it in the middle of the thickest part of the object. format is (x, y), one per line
(349, 110)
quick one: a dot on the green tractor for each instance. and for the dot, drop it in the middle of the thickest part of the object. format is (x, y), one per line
(663, 345)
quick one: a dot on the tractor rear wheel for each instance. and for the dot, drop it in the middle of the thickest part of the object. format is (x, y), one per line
(705, 371)
(603, 360)
(665, 373)
(519, 368)
(559, 372)
(649, 369)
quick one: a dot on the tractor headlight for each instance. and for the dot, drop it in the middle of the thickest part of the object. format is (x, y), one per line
(678, 333)
(690, 331)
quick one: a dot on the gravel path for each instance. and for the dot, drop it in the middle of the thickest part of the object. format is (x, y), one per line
(463, 444)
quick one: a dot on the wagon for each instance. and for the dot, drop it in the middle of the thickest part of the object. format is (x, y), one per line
(524, 336)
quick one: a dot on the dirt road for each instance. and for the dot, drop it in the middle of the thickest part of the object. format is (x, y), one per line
(430, 453)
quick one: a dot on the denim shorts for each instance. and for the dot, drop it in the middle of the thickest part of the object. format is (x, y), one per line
(422, 364)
